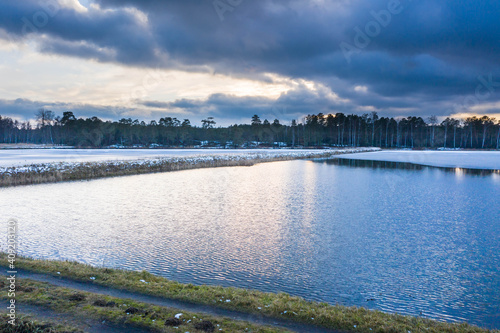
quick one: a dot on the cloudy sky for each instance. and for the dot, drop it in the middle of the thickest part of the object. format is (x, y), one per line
(231, 59)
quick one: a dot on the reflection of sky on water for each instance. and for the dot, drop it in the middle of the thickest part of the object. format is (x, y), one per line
(386, 236)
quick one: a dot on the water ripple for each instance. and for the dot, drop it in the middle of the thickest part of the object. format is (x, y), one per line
(414, 241)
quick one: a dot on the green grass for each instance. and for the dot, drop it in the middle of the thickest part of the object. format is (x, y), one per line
(124, 312)
(25, 324)
(280, 305)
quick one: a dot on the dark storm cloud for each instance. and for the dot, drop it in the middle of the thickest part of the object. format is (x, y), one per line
(218, 105)
(291, 105)
(24, 109)
(97, 33)
(227, 109)
(405, 52)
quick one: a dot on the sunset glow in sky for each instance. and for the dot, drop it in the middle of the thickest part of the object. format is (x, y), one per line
(282, 59)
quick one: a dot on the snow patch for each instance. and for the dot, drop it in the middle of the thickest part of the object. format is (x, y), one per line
(123, 162)
(487, 160)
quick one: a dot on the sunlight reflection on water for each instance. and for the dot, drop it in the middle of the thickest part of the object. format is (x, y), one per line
(398, 239)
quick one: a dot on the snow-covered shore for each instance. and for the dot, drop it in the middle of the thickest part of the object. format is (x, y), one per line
(486, 160)
(17, 158)
(64, 170)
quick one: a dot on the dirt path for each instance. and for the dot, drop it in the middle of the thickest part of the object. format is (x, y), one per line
(85, 324)
(186, 306)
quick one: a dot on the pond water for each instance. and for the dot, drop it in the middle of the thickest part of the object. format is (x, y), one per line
(389, 236)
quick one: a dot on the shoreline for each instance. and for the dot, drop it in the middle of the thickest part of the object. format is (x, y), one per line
(279, 306)
(91, 311)
(61, 172)
(464, 159)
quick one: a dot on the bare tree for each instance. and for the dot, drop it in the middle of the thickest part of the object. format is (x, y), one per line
(433, 121)
(486, 122)
(294, 125)
(455, 123)
(373, 118)
(45, 118)
(498, 135)
(445, 124)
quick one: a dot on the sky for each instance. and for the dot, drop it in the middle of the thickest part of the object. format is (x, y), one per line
(231, 59)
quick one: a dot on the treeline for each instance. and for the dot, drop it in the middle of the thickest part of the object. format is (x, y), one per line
(313, 131)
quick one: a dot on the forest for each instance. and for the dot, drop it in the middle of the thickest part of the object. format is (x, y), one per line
(332, 130)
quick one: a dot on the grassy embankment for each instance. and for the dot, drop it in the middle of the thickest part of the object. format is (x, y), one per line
(59, 172)
(26, 324)
(280, 305)
(120, 312)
